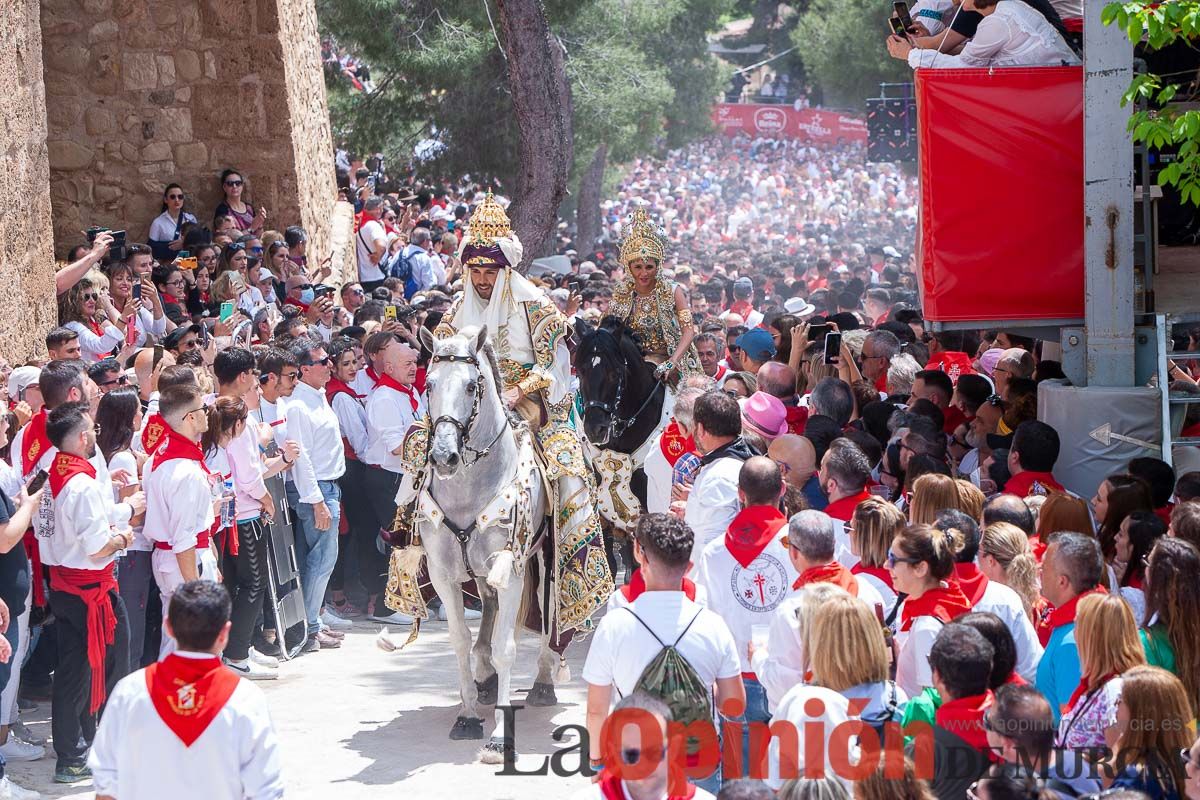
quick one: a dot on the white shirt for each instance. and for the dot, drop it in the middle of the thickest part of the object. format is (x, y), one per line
(622, 647)
(1014, 35)
(745, 596)
(312, 424)
(179, 503)
(658, 480)
(94, 347)
(1005, 603)
(913, 673)
(363, 384)
(352, 419)
(713, 502)
(126, 460)
(370, 232)
(147, 326)
(137, 757)
(81, 526)
(389, 416)
(933, 14)
(163, 228)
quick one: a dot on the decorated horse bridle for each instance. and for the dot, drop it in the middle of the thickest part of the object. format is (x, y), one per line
(464, 428)
(617, 425)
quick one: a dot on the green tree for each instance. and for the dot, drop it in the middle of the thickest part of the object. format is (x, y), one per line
(1163, 122)
(842, 43)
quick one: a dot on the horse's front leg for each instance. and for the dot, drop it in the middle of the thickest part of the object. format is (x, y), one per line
(469, 724)
(504, 651)
(485, 671)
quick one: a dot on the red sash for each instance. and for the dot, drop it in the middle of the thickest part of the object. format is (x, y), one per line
(833, 572)
(752, 530)
(153, 434)
(674, 444)
(610, 788)
(35, 444)
(879, 572)
(1064, 615)
(943, 602)
(392, 383)
(972, 582)
(66, 466)
(188, 693)
(92, 586)
(1028, 482)
(637, 584)
(964, 717)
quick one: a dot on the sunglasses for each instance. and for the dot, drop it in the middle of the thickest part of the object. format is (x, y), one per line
(236, 247)
(90, 296)
(995, 400)
(233, 183)
(326, 361)
(257, 250)
(120, 380)
(174, 197)
(893, 560)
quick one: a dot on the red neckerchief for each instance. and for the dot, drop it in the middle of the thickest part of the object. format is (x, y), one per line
(674, 444)
(796, 419)
(179, 446)
(943, 602)
(953, 363)
(93, 587)
(1085, 685)
(419, 380)
(36, 442)
(637, 584)
(1164, 513)
(881, 383)
(65, 467)
(844, 509)
(1028, 482)
(611, 789)
(203, 297)
(964, 717)
(1063, 615)
(1014, 679)
(972, 582)
(392, 383)
(752, 530)
(154, 432)
(879, 572)
(291, 301)
(833, 572)
(188, 693)
(95, 326)
(335, 387)
(1039, 548)
(743, 308)
(373, 375)
(721, 370)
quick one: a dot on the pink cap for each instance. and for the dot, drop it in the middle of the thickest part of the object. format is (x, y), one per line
(988, 361)
(765, 415)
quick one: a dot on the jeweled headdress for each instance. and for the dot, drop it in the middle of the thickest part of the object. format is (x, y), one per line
(490, 239)
(643, 239)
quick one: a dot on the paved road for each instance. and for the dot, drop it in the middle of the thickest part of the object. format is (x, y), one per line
(355, 720)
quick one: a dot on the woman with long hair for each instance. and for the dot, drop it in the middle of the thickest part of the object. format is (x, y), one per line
(1171, 628)
(151, 319)
(785, 662)
(1060, 512)
(166, 231)
(884, 784)
(970, 499)
(1107, 638)
(931, 494)
(921, 560)
(90, 313)
(780, 327)
(1151, 729)
(1136, 537)
(200, 301)
(1117, 497)
(242, 214)
(1006, 557)
(872, 528)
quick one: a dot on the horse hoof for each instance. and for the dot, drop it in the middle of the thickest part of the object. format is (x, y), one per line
(467, 728)
(492, 752)
(542, 694)
(486, 690)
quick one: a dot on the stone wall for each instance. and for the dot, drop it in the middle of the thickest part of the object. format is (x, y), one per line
(142, 94)
(27, 307)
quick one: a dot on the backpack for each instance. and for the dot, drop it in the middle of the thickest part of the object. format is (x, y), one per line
(670, 678)
(400, 266)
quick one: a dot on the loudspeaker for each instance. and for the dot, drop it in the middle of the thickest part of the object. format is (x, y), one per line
(892, 129)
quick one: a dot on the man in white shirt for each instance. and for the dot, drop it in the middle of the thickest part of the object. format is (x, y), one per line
(628, 639)
(92, 627)
(427, 269)
(187, 728)
(371, 245)
(314, 493)
(181, 498)
(391, 410)
(712, 502)
(675, 441)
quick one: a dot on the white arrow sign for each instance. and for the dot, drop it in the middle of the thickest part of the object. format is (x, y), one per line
(1105, 436)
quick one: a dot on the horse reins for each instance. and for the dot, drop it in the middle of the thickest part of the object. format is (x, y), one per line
(617, 426)
(464, 428)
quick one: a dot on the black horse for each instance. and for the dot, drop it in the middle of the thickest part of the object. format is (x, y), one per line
(622, 401)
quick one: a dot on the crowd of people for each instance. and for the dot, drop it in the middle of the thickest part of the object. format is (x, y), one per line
(846, 507)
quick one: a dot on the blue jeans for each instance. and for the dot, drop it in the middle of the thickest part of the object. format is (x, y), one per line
(317, 548)
(756, 711)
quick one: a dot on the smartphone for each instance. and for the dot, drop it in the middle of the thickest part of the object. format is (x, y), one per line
(898, 27)
(389, 312)
(226, 311)
(131, 332)
(183, 254)
(321, 290)
(833, 347)
(38, 482)
(137, 290)
(158, 354)
(902, 12)
(189, 263)
(818, 331)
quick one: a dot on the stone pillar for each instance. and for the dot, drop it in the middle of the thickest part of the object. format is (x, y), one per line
(144, 94)
(26, 254)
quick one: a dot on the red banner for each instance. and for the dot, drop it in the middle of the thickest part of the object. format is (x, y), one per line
(785, 122)
(1001, 163)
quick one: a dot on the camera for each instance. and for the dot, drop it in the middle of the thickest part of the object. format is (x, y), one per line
(116, 251)
(323, 290)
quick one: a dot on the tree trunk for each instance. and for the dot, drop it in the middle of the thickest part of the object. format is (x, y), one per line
(541, 99)
(588, 213)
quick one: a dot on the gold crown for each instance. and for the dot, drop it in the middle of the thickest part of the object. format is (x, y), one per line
(643, 239)
(489, 223)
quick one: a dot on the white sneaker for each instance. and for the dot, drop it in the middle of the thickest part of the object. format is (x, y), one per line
(270, 662)
(10, 791)
(248, 669)
(331, 619)
(468, 613)
(16, 750)
(395, 618)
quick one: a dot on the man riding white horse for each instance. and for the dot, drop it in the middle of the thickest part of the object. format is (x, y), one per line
(529, 334)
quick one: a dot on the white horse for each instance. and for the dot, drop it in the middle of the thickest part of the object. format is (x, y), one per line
(483, 481)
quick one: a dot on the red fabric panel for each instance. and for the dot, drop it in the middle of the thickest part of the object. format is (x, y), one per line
(1001, 166)
(785, 122)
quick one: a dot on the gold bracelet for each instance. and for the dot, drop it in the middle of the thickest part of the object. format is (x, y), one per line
(532, 383)
(684, 315)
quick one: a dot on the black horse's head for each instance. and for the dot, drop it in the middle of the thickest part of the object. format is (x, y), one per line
(605, 362)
